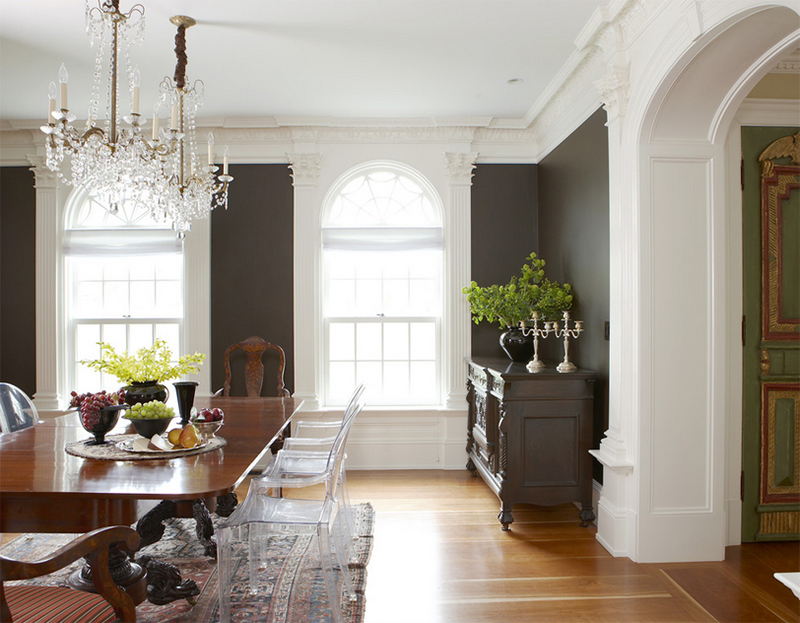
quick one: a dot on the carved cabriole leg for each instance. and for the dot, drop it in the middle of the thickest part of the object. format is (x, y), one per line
(164, 583)
(204, 528)
(151, 526)
(471, 467)
(226, 504)
(505, 517)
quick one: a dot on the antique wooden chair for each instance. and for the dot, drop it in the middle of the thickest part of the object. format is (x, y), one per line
(59, 604)
(254, 347)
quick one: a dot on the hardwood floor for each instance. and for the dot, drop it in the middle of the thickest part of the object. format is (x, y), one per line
(439, 556)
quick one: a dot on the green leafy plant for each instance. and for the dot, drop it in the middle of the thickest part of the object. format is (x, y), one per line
(148, 364)
(510, 304)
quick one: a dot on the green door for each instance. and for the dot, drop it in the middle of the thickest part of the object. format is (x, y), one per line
(771, 334)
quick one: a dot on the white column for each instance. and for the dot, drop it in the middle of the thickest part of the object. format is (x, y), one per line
(456, 331)
(197, 300)
(305, 172)
(614, 530)
(49, 333)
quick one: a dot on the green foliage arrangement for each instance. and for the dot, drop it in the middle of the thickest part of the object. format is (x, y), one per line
(148, 364)
(510, 304)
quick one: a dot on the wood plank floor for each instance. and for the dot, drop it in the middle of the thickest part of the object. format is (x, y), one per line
(439, 556)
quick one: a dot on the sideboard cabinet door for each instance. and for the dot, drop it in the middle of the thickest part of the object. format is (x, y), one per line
(529, 435)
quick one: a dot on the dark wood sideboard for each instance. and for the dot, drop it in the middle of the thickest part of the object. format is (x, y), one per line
(529, 435)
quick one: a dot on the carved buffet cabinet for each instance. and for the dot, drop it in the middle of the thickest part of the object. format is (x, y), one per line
(529, 435)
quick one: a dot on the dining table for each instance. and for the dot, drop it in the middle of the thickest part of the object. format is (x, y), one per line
(44, 488)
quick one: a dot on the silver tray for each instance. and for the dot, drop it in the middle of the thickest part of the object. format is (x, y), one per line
(127, 446)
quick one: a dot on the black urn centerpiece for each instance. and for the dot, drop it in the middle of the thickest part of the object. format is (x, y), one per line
(145, 391)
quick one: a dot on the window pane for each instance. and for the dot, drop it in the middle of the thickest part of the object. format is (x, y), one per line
(423, 340)
(395, 341)
(370, 373)
(395, 382)
(143, 298)
(170, 333)
(342, 341)
(86, 338)
(141, 337)
(368, 341)
(368, 296)
(341, 381)
(116, 335)
(423, 382)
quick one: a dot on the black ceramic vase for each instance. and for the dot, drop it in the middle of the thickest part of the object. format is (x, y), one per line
(145, 391)
(109, 416)
(184, 391)
(516, 345)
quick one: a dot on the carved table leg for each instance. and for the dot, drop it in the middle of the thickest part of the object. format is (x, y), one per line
(505, 517)
(586, 514)
(163, 578)
(471, 467)
(126, 574)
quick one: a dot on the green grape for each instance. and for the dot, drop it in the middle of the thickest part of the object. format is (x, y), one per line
(154, 410)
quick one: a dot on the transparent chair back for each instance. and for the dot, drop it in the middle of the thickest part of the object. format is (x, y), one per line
(245, 534)
(16, 409)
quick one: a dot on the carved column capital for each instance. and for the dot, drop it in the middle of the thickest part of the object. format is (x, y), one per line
(305, 168)
(614, 89)
(45, 178)
(459, 167)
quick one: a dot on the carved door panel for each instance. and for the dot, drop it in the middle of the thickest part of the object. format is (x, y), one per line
(771, 375)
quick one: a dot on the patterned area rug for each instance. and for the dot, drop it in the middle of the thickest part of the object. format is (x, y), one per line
(293, 587)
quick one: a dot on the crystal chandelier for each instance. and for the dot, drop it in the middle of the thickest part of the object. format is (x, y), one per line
(117, 164)
(184, 189)
(112, 162)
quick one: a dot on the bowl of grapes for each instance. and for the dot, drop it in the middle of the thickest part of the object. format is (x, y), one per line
(150, 418)
(99, 413)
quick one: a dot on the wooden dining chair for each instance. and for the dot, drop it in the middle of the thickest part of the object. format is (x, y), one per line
(23, 603)
(254, 347)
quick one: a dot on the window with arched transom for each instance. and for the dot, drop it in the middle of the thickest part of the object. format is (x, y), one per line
(123, 284)
(382, 269)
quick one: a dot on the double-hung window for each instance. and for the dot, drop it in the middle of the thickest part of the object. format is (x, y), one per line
(124, 285)
(382, 266)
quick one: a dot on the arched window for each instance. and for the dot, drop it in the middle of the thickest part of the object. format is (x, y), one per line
(123, 284)
(382, 266)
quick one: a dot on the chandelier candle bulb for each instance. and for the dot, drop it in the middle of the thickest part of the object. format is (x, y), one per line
(52, 97)
(173, 122)
(136, 81)
(210, 148)
(63, 78)
(155, 127)
(225, 161)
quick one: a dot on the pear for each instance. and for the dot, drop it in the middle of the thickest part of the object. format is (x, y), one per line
(175, 436)
(190, 436)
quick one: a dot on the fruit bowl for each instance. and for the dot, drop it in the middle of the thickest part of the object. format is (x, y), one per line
(147, 427)
(207, 429)
(106, 419)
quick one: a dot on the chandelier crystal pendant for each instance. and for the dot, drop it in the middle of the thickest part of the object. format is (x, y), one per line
(112, 162)
(184, 189)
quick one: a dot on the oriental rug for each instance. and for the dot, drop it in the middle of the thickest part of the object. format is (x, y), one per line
(291, 578)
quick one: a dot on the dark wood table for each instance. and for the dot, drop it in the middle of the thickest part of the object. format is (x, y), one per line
(44, 489)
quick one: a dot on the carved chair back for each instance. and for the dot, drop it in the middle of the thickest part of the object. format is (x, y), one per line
(254, 347)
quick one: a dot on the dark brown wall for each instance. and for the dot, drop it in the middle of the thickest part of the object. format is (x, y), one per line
(18, 278)
(573, 237)
(504, 232)
(251, 270)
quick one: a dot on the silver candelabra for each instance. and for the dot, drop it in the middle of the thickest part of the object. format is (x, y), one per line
(566, 333)
(531, 328)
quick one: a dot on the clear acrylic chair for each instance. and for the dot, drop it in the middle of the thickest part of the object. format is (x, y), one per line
(243, 535)
(306, 453)
(16, 409)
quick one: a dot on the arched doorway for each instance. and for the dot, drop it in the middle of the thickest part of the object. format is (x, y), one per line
(678, 392)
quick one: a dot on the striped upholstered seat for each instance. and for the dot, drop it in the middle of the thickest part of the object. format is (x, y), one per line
(53, 604)
(22, 603)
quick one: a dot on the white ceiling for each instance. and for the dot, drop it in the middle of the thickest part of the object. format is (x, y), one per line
(445, 59)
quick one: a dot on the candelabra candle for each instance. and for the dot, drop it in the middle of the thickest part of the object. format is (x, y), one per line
(566, 365)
